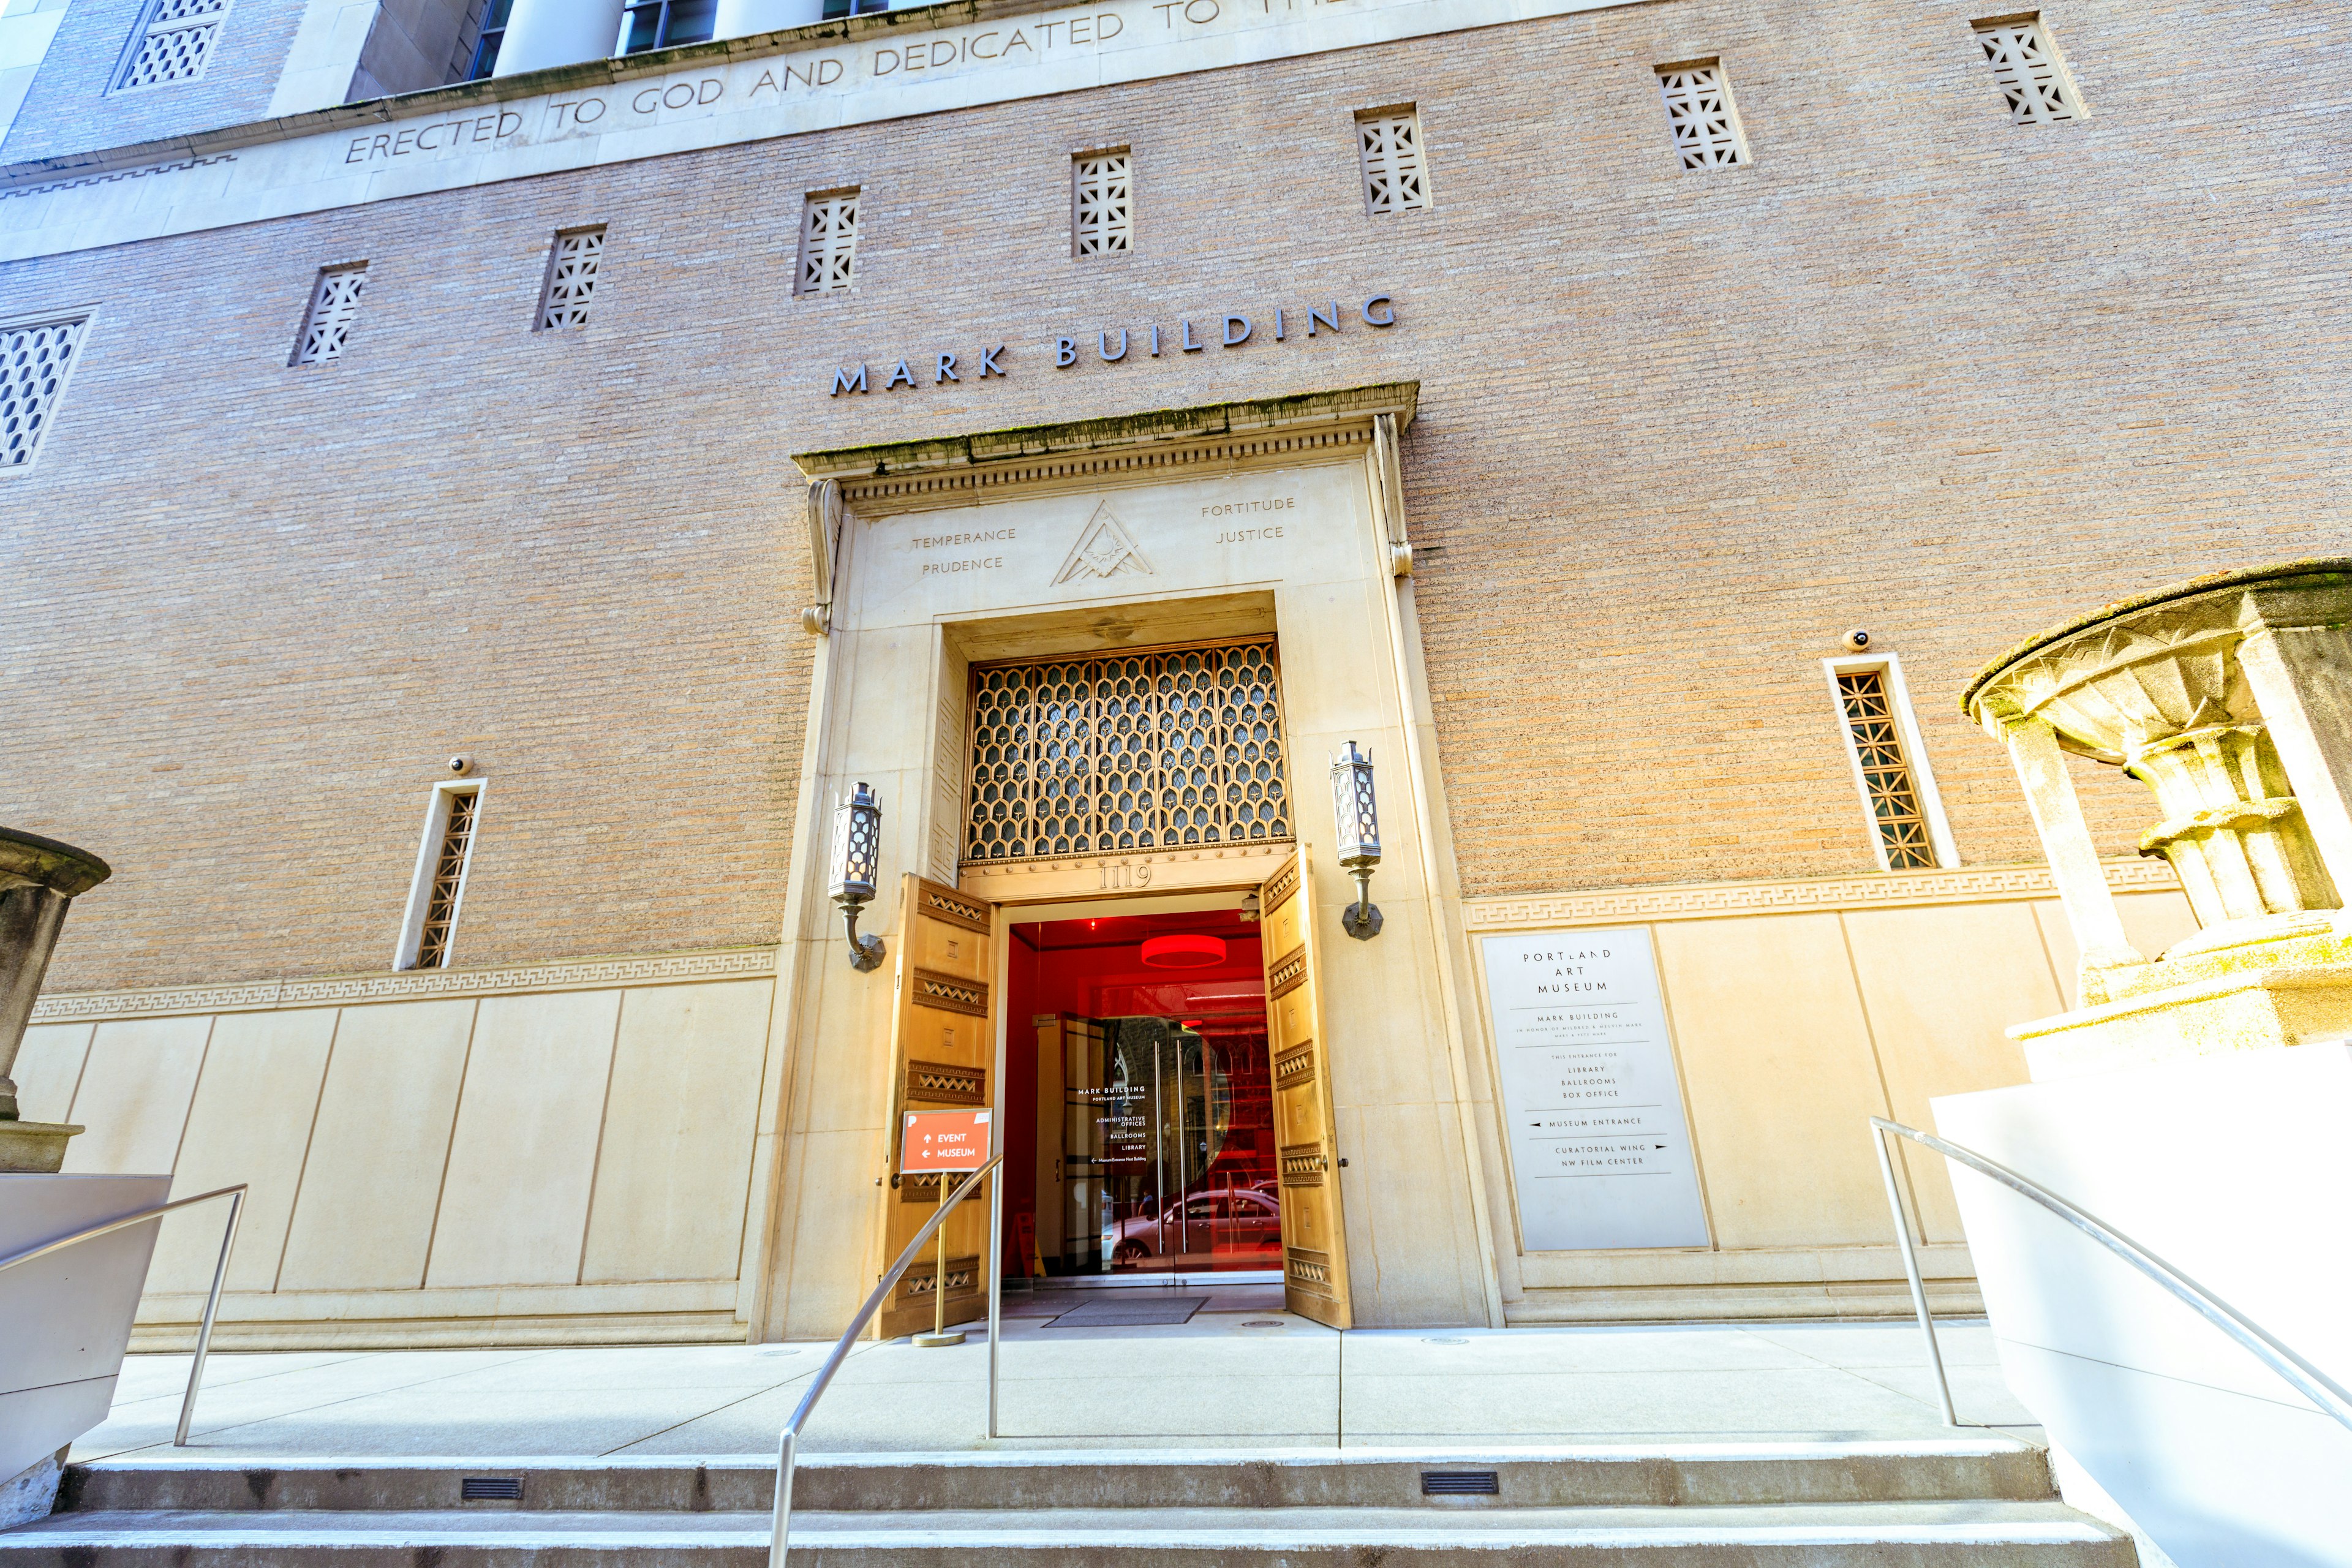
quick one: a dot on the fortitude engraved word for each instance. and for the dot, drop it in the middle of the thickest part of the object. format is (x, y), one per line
(1230, 331)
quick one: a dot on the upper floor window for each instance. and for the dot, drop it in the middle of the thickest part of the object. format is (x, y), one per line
(1102, 203)
(35, 359)
(174, 42)
(334, 306)
(572, 266)
(2027, 68)
(661, 23)
(1396, 177)
(493, 33)
(1699, 113)
(835, 9)
(828, 242)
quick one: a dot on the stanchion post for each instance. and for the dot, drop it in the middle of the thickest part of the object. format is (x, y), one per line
(1911, 1271)
(205, 1328)
(995, 1284)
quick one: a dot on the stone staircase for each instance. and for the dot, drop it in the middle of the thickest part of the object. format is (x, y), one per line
(1959, 1502)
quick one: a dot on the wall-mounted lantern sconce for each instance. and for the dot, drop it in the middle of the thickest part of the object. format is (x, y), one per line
(856, 853)
(1358, 817)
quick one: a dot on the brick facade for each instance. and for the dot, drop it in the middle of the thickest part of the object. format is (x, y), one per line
(69, 109)
(1915, 369)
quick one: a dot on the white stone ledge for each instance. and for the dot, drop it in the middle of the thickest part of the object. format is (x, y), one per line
(409, 985)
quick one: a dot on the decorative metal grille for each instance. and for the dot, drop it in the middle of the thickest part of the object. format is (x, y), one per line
(33, 364)
(828, 243)
(334, 305)
(177, 42)
(1103, 187)
(448, 876)
(2031, 75)
(1895, 814)
(1138, 750)
(571, 279)
(1395, 178)
(1699, 113)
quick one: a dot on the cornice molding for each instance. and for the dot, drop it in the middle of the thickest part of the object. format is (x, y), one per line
(1714, 900)
(408, 985)
(913, 476)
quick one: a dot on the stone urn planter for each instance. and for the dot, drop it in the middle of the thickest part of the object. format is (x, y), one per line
(2231, 698)
(39, 878)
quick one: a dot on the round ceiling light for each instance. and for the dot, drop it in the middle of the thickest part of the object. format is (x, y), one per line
(1183, 952)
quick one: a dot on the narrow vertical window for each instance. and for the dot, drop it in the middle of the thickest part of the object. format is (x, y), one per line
(1699, 113)
(1906, 821)
(36, 357)
(828, 242)
(173, 43)
(493, 33)
(2027, 68)
(334, 305)
(439, 889)
(1102, 203)
(665, 24)
(1396, 176)
(571, 264)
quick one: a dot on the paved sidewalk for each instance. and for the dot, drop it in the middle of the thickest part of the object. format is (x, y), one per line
(1248, 1378)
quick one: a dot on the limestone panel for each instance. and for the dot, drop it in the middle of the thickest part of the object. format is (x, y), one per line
(363, 1217)
(251, 1122)
(1777, 1070)
(49, 1069)
(134, 1094)
(514, 1210)
(674, 1173)
(1940, 984)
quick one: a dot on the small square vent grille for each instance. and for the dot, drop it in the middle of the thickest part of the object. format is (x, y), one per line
(1387, 143)
(1460, 1483)
(1698, 112)
(490, 1488)
(2033, 79)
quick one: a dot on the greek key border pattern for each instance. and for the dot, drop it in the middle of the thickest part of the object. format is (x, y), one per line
(108, 179)
(592, 975)
(1709, 900)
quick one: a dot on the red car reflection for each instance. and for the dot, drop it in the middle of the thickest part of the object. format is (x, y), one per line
(1243, 1220)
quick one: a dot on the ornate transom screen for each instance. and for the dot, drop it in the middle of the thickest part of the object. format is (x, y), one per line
(1145, 751)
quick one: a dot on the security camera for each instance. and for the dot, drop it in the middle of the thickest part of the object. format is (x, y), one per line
(461, 766)
(1857, 639)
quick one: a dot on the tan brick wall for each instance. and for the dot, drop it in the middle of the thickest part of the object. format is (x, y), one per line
(1918, 370)
(68, 109)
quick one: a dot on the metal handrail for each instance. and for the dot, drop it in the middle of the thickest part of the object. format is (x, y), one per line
(2304, 1378)
(236, 1197)
(788, 1443)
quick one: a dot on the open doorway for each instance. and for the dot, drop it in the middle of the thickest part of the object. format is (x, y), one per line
(1139, 1101)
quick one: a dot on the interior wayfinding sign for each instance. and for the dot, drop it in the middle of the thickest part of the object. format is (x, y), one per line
(1599, 1142)
(945, 1140)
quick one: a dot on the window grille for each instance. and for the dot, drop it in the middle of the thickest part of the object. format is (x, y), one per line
(665, 24)
(334, 305)
(448, 881)
(1154, 750)
(175, 42)
(34, 361)
(571, 264)
(1875, 731)
(828, 243)
(1102, 194)
(1395, 177)
(2027, 69)
(1699, 113)
(492, 34)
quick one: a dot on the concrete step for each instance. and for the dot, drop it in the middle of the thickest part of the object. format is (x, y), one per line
(1959, 1468)
(1998, 1534)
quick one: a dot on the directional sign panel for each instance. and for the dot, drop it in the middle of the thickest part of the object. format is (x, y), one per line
(1599, 1142)
(945, 1140)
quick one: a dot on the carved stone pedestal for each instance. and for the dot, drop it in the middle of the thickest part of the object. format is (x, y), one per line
(39, 878)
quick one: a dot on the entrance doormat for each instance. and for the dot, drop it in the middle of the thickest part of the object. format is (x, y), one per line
(1151, 1310)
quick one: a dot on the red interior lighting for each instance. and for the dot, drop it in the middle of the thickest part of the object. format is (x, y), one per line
(1184, 951)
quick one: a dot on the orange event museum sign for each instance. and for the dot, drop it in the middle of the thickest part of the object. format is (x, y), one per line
(945, 1140)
